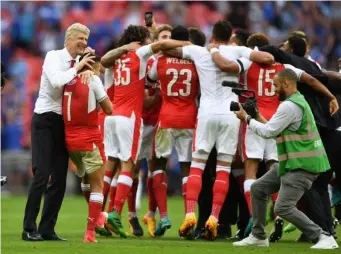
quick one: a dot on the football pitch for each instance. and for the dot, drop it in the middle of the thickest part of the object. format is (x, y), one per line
(72, 222)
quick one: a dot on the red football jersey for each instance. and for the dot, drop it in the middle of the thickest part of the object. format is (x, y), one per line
(259, 78)
(150, 116)
(80, 114)
(129, 81)
(180, 87)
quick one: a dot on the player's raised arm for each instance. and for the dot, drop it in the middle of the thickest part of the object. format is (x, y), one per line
(224, 64)
(262, 57)
(306, 78)
(109, 58)
(167, 45)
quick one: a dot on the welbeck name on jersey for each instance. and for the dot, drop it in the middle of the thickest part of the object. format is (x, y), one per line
(173, 60)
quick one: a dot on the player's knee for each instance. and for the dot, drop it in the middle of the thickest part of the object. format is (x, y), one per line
(255, 189)
(200, 155)
(224, 159)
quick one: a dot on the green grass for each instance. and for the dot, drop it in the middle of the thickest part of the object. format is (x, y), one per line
(72, 222)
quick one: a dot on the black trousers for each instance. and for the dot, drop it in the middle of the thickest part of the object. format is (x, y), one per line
(316, 201)
(49, 158)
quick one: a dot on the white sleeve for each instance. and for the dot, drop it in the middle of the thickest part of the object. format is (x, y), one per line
(244, 64)
(51, 68)
(152, 74)
(193, 52)
(298, 72)
(98, 88)
(285, 115)
(108, 77)
(145, 52)
(245, 52)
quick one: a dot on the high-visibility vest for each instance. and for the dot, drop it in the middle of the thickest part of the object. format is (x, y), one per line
(302, 149)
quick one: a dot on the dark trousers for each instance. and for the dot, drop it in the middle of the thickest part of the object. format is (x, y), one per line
(49, 158)
(316, 201)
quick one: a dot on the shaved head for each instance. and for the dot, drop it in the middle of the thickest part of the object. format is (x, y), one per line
(287, 74)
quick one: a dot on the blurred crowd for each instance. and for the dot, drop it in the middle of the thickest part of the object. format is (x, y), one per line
(30, 29)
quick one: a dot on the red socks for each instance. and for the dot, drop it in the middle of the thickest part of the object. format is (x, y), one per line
(106, 186)
(220, 189)
(132, 198)
(247, 193)
(160, 191)
(95, 206)
(124, 184)
(193, 187)
(184, 189)
(112, 194)
(151, 196)
(86, 191)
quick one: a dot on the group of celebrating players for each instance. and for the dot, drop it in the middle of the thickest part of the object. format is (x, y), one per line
(149, 106)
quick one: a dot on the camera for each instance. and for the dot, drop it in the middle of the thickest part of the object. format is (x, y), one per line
(148, 19)
(250, 106)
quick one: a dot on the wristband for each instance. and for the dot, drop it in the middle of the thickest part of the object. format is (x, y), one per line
(213, 50)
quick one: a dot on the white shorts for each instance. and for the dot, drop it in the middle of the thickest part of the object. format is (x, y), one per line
(256, 147)
(122, 137)
(219, 130)
(146, 151)
(166, 139)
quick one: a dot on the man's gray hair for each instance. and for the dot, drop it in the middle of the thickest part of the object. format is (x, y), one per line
(76, 27)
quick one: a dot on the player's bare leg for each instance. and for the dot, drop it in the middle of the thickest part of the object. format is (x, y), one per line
(149, 218)
(160, 192)
(194, 185)
(85, 186)
(134, 223)
(124, 184)
(95, 203)
(220, 190)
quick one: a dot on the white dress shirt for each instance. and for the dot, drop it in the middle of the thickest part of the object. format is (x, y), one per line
(56, 73)
(288, 116)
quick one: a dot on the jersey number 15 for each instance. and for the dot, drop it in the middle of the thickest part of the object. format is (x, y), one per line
(266, 79)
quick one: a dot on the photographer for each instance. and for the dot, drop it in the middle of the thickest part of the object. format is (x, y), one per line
(302, 158)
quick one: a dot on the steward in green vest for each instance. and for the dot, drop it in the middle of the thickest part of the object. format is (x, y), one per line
(301, 156)
(303, 148)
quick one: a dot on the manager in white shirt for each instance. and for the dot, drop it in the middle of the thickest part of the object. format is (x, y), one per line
(49, 154)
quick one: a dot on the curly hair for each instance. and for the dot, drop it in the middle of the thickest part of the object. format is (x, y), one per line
(133, 33)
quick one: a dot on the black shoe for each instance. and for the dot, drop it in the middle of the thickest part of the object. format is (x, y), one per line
(52, 237)
(31, 236)
(278, 232)
(135, 227)
(304, 239)
(224, 231)
(198, 233)
(239, 235)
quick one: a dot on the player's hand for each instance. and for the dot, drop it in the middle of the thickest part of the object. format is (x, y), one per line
(333, 106)
(86, 76)
(211, 46)
(89, 50)
(132, 46)
(241, 114)
(86, 61)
